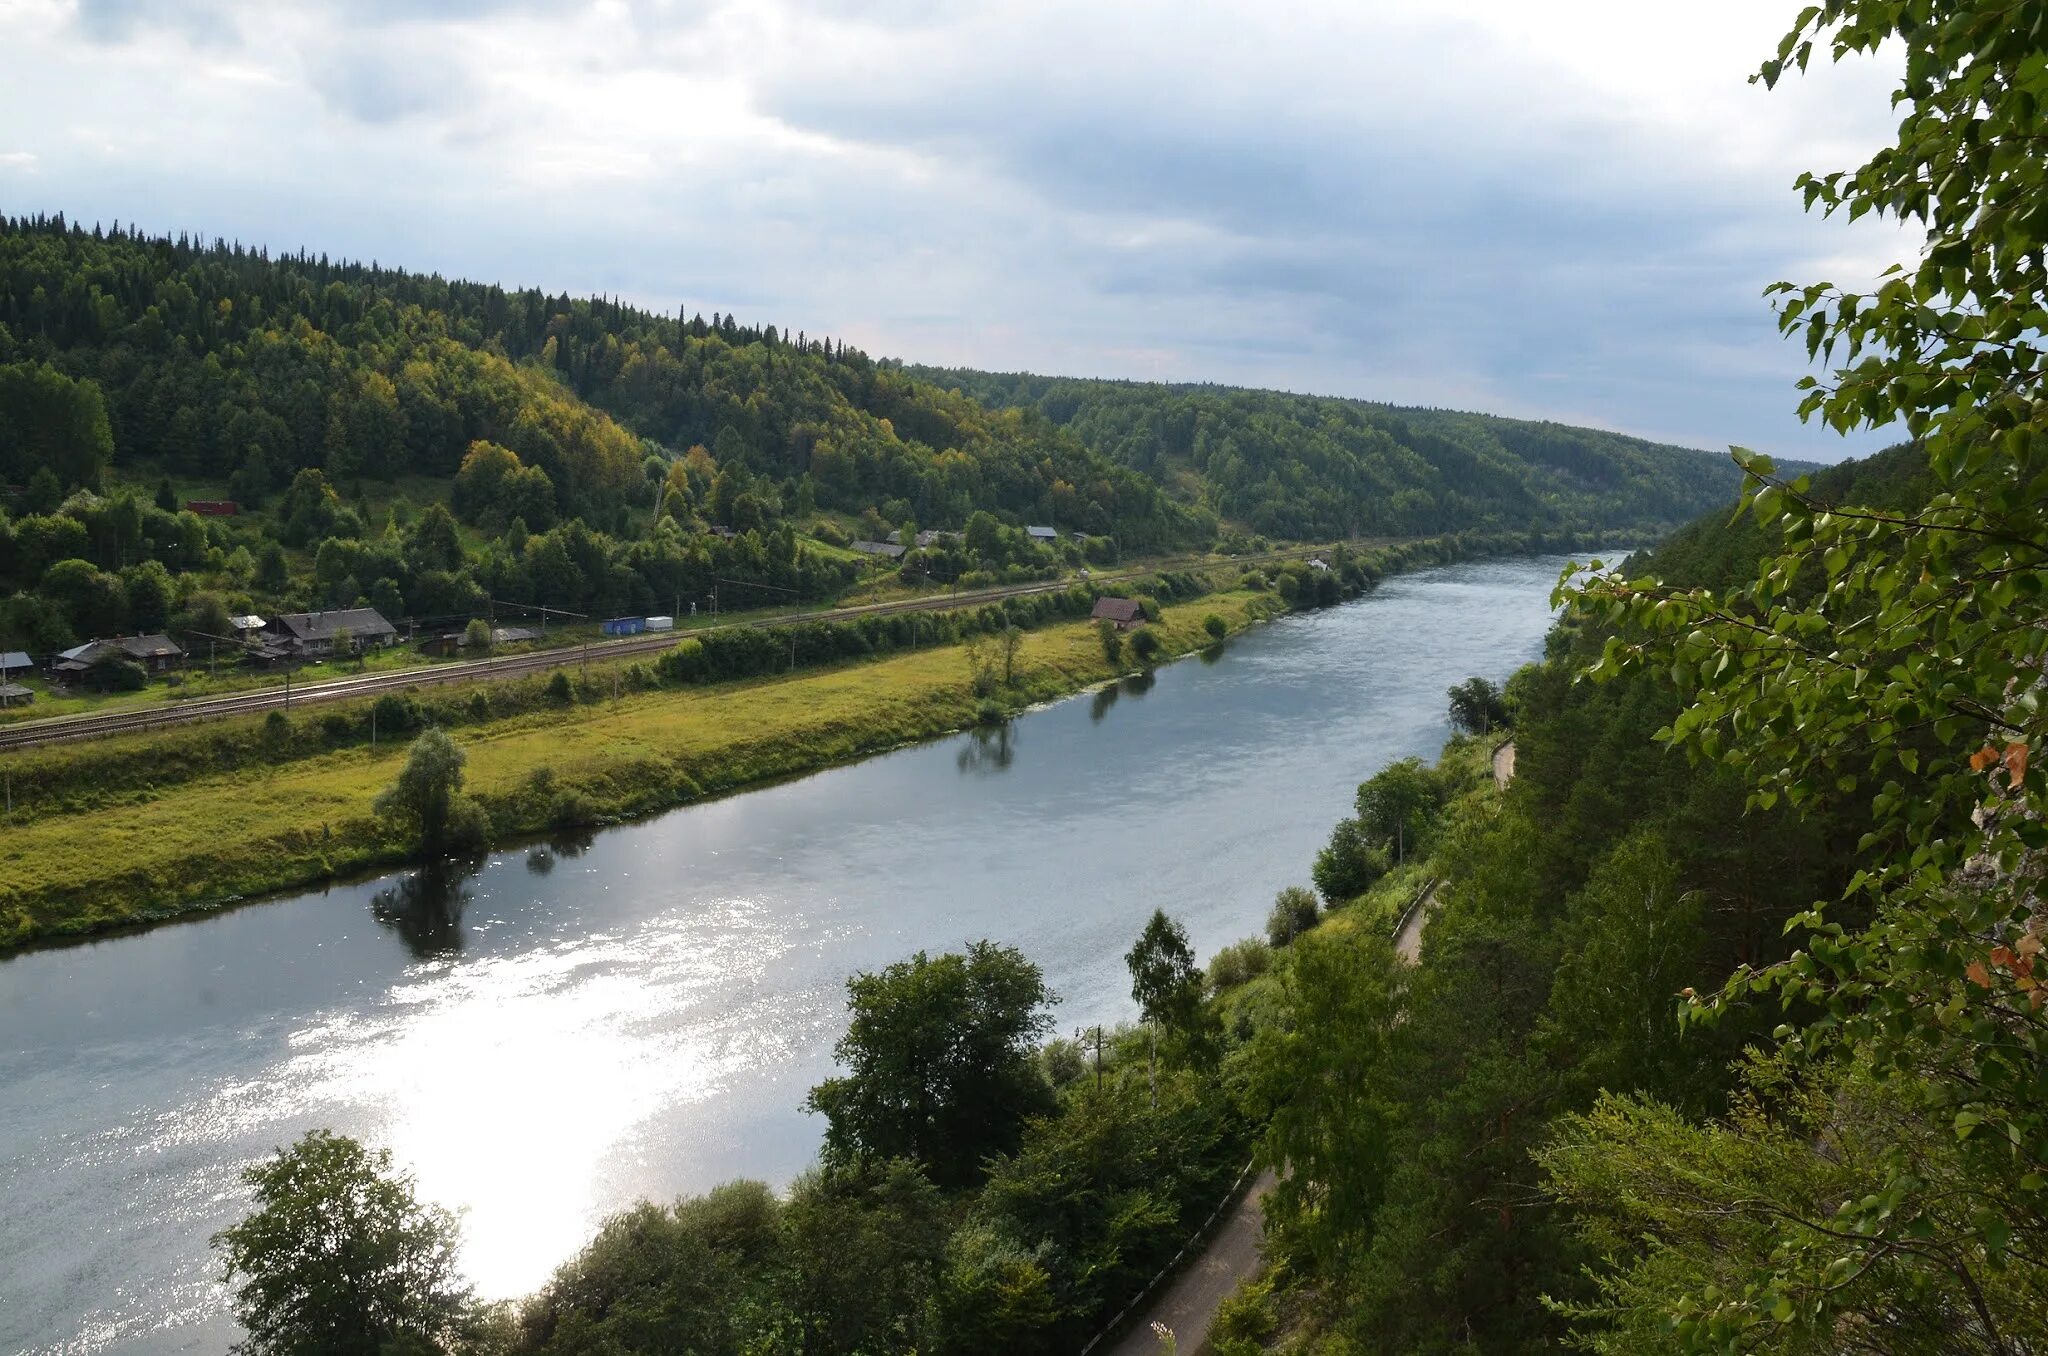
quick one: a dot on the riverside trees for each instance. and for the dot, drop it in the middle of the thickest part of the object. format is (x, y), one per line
(426, 805)
(941, 1062)
(341, 1259)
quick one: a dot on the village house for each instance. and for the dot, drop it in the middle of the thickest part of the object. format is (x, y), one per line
(1043, 535)
(932, 536)
(878, 548)
(13, 662)
(156, 654)
(1125, 612)
(311, 635)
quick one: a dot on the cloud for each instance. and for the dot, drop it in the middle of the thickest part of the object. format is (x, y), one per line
(1567, 212)
(378, 82)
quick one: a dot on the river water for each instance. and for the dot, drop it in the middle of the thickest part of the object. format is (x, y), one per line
(570, 1029)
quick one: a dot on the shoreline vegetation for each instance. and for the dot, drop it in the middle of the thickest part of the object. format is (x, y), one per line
(139, 829)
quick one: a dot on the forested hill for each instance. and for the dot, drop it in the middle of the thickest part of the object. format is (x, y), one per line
(241, 368)
(1313, 466)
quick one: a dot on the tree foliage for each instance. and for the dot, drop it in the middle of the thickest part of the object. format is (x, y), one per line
(940, 1062)
(1892, 656)
(1314, 468)
(340, 1258)
(426, 805)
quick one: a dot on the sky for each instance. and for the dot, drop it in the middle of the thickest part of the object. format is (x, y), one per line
(1565, 210)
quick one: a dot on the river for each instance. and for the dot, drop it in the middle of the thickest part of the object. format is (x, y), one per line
(573, 1028)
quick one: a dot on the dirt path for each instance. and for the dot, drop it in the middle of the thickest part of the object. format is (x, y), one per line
(1188, 1304)
(1408, 941)
(1504, 764)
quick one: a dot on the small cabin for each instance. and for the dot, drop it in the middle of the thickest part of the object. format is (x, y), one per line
(624, 626)
(1125, 612)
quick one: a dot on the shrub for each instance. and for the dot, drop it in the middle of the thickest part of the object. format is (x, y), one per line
(572, 810)
(1239, 963)
(469, 827)
(398, 713)
(1145, 645)
(1149, 606)
(1294, 912)
(1112, 640)
(115, 674)
(683, 664)
(1215, 626)
(560, 688)
(989, 712)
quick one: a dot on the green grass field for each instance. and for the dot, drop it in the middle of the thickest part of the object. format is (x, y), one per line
(210, 840)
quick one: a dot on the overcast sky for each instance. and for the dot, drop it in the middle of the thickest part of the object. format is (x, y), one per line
(1563, 210)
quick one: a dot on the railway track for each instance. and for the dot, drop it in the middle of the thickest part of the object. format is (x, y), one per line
(65, 729)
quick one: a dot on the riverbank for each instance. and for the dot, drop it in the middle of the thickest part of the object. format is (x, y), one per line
(208, 842)
(675, 983)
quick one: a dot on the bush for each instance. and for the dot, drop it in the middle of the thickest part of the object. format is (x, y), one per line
(560, 689)
(1294, 912)
(1148, 606)
(1239, 963)
(469, 827)
(572, 810)
(117, 675)
(398, 713)
(1112, 640)
(1145, 645)
(683, 664)
(1215, 626)
(989, 712)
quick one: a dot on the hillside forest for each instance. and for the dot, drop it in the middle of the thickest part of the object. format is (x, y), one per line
(1309, 467)
(422, 445)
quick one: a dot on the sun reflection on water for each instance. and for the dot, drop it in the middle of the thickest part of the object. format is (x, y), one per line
(508, 1084)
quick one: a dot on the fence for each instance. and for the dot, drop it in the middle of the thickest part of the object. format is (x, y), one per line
(1152, 1287)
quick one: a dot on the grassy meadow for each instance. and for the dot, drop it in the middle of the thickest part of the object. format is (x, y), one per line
(203, 840)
